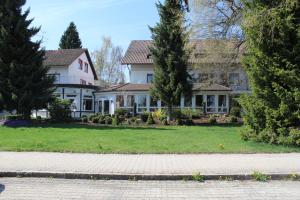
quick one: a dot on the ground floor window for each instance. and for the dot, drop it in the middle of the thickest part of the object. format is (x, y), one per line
(211, 103)
(222, 107)
(120, 101)
(142, 103)
(130, 101)
(87, 104)
(153, 104)
(187, 102)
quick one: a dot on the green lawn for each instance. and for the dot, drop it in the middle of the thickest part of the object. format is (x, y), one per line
(89, 139)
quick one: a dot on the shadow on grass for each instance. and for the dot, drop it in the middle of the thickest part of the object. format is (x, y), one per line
(94, 127)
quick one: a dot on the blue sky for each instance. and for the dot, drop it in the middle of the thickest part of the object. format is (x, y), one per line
(122, 20)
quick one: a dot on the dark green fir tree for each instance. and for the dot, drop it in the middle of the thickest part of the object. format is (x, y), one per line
(70, 39)
(272, 111)
(24, 85)
(170, 54)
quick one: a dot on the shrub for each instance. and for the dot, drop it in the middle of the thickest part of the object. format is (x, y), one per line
(212, 119)
(160, 115)
(101, 119)
(177, 114)
(179, 122)
(165, 122)
(95, 120)
(233, 119)
(60, 110)
(188, 113)
(144, 117)
(108, 120)
(84, 119)
(235, 111)
(121, 112)
(294, 137)
(189, 122)
(116, 121)
(91, 117)
(150, 120)
(14, 117)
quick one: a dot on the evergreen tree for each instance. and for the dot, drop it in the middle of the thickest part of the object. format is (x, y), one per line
(70, 39)
(24, 83)
(170, 55)
(272, 30)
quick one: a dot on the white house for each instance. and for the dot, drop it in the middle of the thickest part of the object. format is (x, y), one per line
(215, 82)
(75, 76)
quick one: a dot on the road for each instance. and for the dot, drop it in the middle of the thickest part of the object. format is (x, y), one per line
(62, 189)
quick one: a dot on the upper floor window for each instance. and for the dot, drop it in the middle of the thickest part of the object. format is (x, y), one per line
(82, 82)
(86, 67)
(149, 78)
(80, 64)
(234, 78)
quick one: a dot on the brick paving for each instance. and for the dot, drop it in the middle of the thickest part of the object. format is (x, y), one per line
(117, 164)
(58, 189)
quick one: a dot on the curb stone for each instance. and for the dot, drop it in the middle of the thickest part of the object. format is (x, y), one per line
(134, 177)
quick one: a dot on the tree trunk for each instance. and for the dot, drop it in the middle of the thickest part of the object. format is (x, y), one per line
(170, 113)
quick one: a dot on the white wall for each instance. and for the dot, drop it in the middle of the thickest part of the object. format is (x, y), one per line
(78, 74)
(139, 73)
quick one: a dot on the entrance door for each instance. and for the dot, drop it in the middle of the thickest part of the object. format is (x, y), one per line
(106, 107)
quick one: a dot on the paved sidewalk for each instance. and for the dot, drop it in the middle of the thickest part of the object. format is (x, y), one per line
(54, 189)
(117, 164)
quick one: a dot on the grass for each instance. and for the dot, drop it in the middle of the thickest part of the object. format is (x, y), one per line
(89, 139)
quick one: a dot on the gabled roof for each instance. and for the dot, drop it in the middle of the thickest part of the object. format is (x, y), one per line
(146, 87)
(65, 57)
(139, 53)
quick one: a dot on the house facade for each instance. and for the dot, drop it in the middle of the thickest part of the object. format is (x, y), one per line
(215, 82)
(75, 78)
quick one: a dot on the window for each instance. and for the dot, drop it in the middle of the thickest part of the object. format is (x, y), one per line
(187, 102)
(130, 101)
(153, 104)
(120, 101)
(142, 103)
(80, 64)
(86, 67)
(149, 78)
(211, 103)
(234, 79)
(87, 104)
(199, 101)
(82, 82)
(222, 103)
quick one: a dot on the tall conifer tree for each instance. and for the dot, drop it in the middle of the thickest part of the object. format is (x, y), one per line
(70, 39)
(24, 84)
(170, 55)
(272, 30)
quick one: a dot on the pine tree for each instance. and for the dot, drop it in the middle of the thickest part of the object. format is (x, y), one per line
(170, 55)
(272, 30)
(24, 83)
(70, 39)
